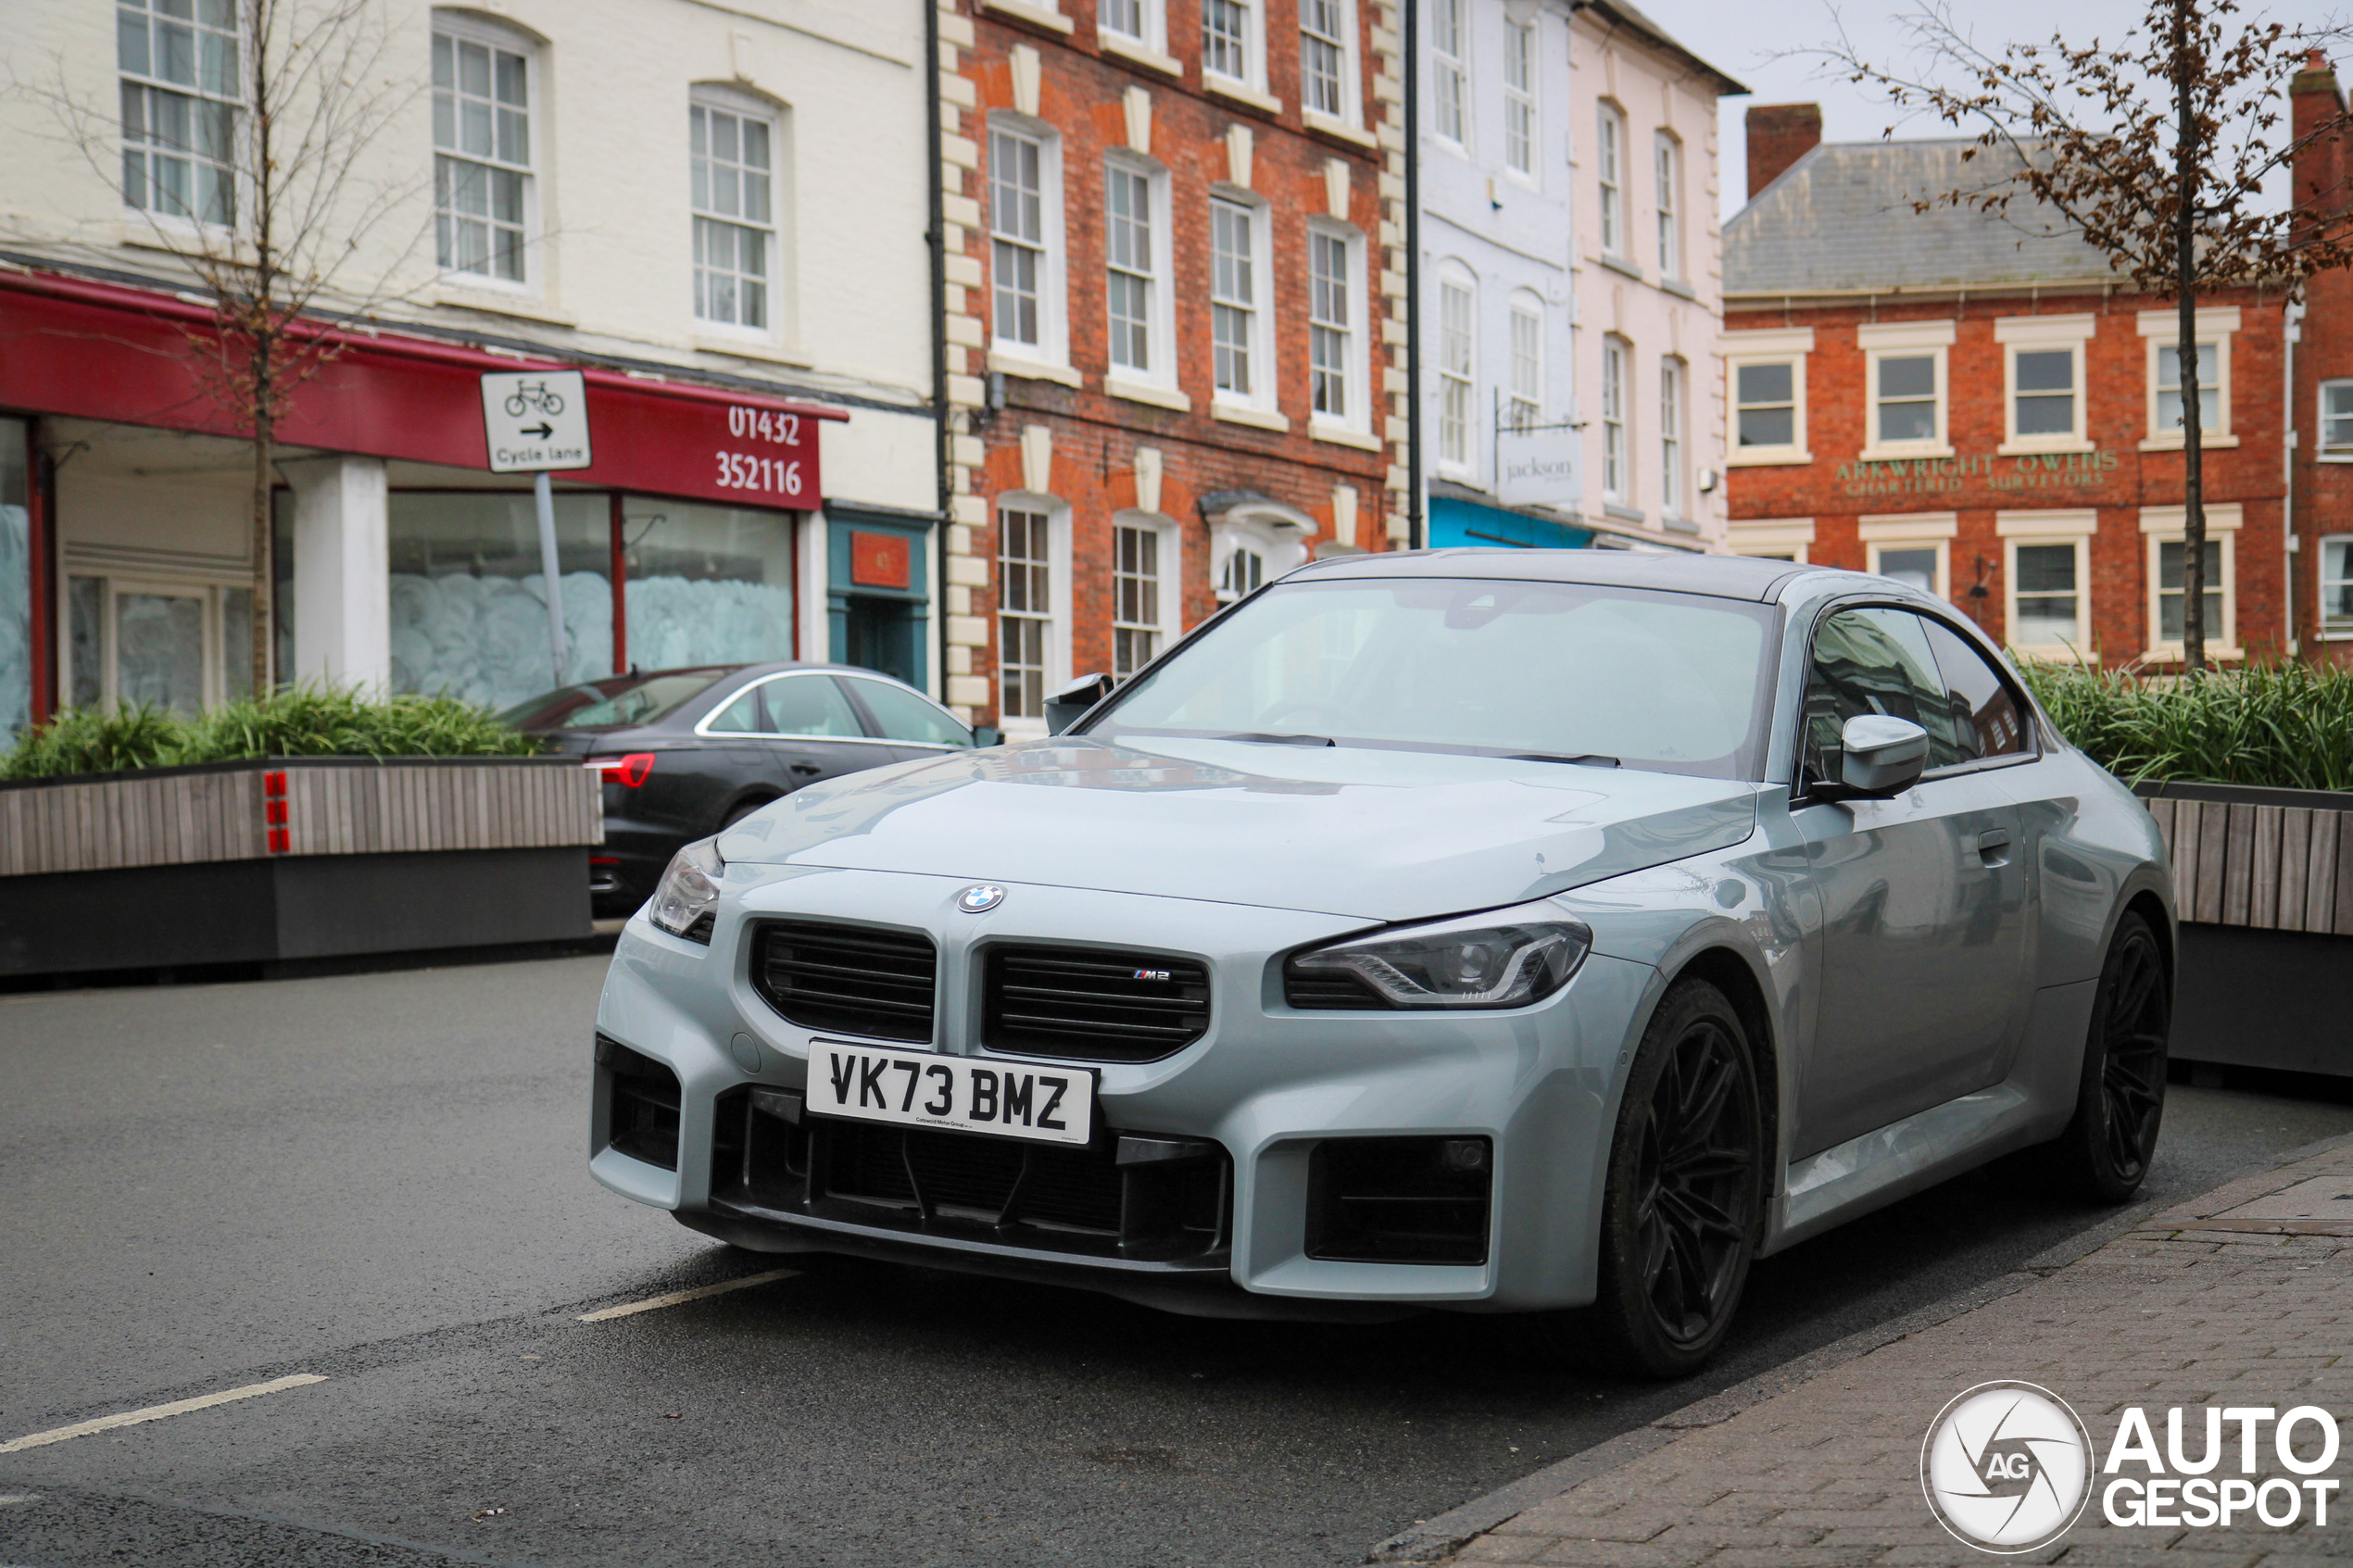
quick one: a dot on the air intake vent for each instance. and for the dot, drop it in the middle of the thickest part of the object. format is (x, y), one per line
(644, 1117)
(847, 979)
(1327, 990)
(1086, 1004)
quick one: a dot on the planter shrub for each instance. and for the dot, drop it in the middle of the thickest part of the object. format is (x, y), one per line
(2277, 726)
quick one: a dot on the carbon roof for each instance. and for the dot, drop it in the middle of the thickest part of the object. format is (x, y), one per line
(1839, 220)
(1723, 577)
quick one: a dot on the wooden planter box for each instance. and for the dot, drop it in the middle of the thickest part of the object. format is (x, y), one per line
(2263, 883)
(292, 858)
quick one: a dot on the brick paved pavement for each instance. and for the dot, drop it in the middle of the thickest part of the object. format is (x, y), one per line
(2225, 1301)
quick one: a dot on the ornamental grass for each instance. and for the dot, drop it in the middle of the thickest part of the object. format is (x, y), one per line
(2280, 726)
(303, 720)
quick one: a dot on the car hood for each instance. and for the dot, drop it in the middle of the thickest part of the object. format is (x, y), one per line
(1340, 829)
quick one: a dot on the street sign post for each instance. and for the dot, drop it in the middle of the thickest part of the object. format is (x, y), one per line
(536, 421)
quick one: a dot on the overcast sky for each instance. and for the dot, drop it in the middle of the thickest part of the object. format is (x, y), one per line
(1740, 38)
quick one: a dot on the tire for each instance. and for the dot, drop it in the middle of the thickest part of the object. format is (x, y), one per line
(2119, 1101)
(1685, 1192)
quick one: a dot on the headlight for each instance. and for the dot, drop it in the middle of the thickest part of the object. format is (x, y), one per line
(686, 903)
(1480, 961)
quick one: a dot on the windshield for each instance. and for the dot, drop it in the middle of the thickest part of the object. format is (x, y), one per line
(1566, 670)
(618, 704)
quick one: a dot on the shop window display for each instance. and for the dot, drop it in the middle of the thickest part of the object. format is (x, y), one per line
(15, 583)
(705, 585)
(469, 599)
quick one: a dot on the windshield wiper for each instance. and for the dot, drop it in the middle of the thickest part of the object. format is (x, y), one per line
(1261, 739)
(1587, 758)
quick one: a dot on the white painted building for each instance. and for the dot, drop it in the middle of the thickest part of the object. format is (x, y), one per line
(1570, 278)
(719, 212)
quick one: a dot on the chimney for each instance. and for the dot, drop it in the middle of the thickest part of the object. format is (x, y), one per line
(2318, 180)
(1779, 134)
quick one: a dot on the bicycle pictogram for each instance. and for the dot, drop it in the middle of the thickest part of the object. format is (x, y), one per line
(534, 394)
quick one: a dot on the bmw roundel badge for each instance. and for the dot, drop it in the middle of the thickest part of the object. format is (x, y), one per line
(980, 897)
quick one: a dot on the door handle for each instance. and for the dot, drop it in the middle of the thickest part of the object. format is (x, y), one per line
(1994, 846)
(806, 768)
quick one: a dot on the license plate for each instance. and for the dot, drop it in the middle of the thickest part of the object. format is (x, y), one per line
(954, 1093)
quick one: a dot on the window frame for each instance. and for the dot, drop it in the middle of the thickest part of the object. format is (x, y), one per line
(2049, 528)
(1055, 673)
(1609, 180)
(1617, 423)
(1351, 110)
(1667, 159)
(2042, 334)
(230, 175)
(1456, 279)
(1053, 348)
(1167, 586)
(1884, 531)
(1450, 65)
(1153, 14)
(2164, 525)
(1253, 46)
(1355, 374)
(1789, 539)
(1906, 340)
(1790, 346)
(1522, 102)
(2161, 329)
(709, 99)
(2321, 627)
(2322, 452)
(1674, 438)
(1258, 223)
(465, 27)
(1526, 309)
(1160, 324)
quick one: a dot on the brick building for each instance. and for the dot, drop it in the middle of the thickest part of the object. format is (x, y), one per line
(1985, 409)
(1175, 320)
(2321, 385)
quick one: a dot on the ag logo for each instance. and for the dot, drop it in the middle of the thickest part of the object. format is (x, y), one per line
(980, 897)
(2007, 1467)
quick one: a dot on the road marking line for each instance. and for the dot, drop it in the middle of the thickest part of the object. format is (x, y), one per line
(155, 1412)
(679, 1298)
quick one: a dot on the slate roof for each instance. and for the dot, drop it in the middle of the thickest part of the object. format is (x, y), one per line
(1841, 219)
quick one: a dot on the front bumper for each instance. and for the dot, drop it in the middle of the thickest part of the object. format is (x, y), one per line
(1265, 1087)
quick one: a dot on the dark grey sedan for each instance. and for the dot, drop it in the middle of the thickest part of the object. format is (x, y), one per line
(687, 752)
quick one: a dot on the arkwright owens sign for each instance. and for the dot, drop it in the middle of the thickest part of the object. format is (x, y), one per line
(1931, 476)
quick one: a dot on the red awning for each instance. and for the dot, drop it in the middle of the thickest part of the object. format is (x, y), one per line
(102, 351)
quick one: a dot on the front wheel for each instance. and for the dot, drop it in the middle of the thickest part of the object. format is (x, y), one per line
(1686, 1186)
(2119, 1101)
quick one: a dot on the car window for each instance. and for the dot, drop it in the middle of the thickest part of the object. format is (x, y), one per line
(1873, 661)
(905, 716)
(1664, 681)
(1987, 721)
(740, 717)
(807, 705)
(645, 699)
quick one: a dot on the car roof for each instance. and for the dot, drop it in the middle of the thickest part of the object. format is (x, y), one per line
(1723, 577)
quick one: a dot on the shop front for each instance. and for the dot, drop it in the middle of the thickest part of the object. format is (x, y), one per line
(399, 563)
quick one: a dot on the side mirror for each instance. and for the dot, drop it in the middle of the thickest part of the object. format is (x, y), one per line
(1883, 755)
(986, 734)
(1063, 706)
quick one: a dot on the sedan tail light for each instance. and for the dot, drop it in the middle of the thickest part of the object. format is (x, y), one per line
(630, 771)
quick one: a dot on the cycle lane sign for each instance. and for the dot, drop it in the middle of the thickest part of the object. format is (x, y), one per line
(536, 421)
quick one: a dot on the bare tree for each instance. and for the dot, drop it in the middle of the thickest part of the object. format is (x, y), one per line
(2155, 151)
(242, 133)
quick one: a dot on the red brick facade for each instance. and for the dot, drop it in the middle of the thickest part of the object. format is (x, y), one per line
(2116, 473)
(2321, 469)
(1064, 442)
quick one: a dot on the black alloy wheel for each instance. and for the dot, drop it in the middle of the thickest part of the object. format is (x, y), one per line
(1686, 1186)
(2120, 1104)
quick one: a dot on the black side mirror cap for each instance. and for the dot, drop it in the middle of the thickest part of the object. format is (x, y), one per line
(1065, 708)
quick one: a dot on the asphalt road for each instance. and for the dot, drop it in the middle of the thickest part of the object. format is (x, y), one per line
(379, 1179)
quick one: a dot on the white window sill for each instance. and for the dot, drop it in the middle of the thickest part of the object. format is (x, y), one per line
(1026, 368)
(1022, 729)
(2335, 454)
(490, 298)
(2057, 653)
(2043, 447)
(1145, 391)
(1324, 125)
(1619, 264)
(1240, 92)
(1342, 435)
(1142, 54)
(2175, 444)
(1243, 414)
(1765, 457)
(1037, 15)
(766, 351)
(1903, 454)
(1624, 513)
(2170, 653)
(2335, 634)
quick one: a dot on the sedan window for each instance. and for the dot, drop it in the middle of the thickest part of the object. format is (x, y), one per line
(807, 705)
(740, 717)
(1874, 661)
(1566, 671)
(1986, 716)
(905, 716)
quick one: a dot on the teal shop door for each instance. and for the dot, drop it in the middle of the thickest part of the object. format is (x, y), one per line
(878, 593)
